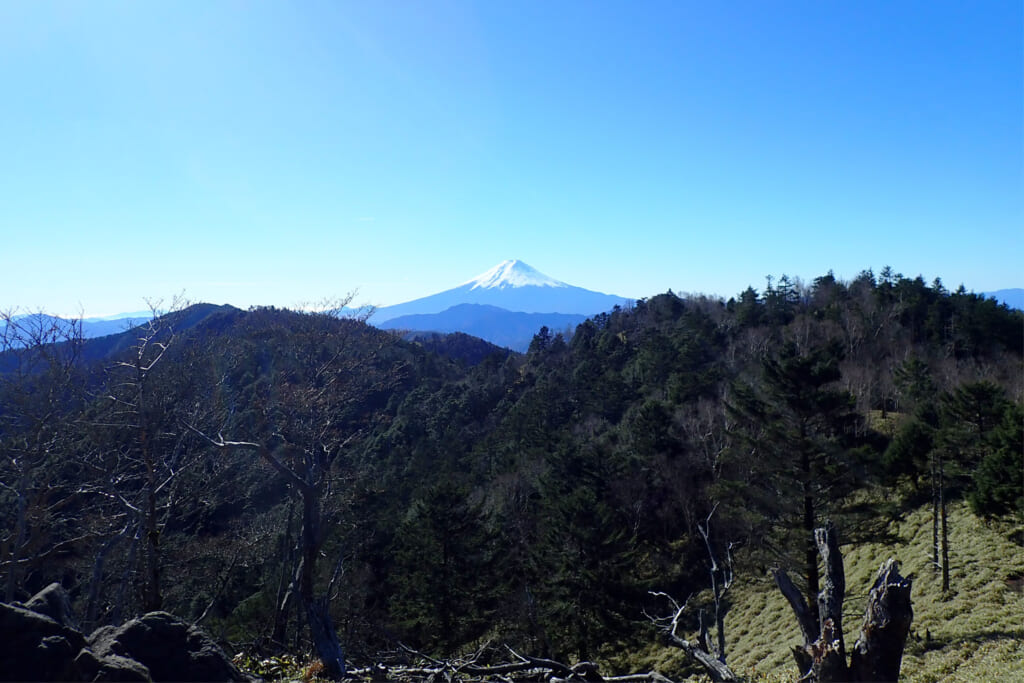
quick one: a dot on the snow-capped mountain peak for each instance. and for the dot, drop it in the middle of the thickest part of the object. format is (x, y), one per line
(510, 285)
(512, 273)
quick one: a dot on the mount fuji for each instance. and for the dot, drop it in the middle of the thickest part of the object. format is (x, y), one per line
(514, 286)
(505, 305)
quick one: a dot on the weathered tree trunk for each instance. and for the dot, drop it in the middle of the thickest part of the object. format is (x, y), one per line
(830, 599)
(700, 651)
(305, 481)
(709, 653)
(95, 583)
(325, 638)
(152, 599)
(936, 506)
(20, 534)
(716, 670)
(831, 664)
(879, 650)
(945, 532)
(318, 614)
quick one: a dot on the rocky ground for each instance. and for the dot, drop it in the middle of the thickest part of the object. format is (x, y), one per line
(42, 642)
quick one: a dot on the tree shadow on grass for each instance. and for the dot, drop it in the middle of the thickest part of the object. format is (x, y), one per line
(871, 522)
(925, 642)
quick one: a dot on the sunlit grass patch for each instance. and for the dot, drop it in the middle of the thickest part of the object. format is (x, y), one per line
(886, 423)
(973, 633)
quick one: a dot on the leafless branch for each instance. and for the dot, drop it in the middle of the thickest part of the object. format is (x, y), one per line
(261, 449)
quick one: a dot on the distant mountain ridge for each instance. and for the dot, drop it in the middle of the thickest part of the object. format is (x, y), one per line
(91, 327)
(100, 347)
(514, 286)
(1014, 298)
(505, 305)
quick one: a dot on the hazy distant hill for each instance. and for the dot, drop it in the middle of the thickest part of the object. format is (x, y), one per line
(1014, 298)
(99, 347)
(505, 305)
(462, 347)
(511, 329)
(91, 327)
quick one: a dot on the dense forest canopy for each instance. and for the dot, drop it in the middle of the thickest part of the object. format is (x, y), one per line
(261, 470)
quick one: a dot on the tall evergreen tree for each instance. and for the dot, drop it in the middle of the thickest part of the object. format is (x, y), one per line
(442, 550)
(799, 428)
(589, 549)
(999, 478)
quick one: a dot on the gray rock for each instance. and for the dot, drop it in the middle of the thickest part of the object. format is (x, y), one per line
(38, 642)
(53, 601)
(92, 667)
(34, 647)
(169, 648)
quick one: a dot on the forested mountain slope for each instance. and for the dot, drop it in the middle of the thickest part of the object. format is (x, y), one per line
(265, 469)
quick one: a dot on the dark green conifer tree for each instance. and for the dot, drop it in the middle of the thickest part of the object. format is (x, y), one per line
(999, 479)
(797, 446)
(587, 550)
(442, 554)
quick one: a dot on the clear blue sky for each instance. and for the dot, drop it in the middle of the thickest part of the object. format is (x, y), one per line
(280, 152)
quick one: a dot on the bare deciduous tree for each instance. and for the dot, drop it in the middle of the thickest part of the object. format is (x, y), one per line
(137, 452)
(707, 652)
(39, 381)
(306, 432)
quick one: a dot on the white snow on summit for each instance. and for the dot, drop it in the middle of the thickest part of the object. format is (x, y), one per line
(513, 273)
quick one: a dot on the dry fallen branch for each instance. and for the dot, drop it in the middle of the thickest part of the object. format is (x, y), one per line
(523, 669)
(669, 625)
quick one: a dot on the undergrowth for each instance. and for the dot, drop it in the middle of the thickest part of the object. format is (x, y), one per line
(973, 633)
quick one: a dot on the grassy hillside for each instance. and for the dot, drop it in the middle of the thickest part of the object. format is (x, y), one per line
(976, 633)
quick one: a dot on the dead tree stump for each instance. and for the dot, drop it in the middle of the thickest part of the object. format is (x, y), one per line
(879, 648)
(878, 651)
